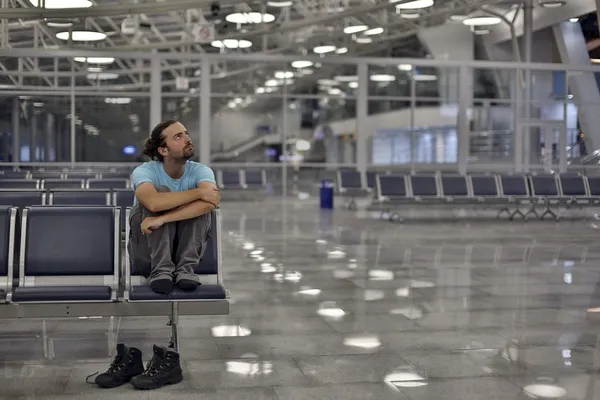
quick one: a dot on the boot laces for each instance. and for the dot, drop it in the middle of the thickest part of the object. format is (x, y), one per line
(117, 364)
(153, 367)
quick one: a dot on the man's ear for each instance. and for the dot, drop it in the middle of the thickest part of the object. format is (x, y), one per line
(163, 151)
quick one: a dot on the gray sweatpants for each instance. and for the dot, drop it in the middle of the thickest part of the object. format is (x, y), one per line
(171, 251)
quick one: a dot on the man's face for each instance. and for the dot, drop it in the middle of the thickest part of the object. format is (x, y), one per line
(178, 145)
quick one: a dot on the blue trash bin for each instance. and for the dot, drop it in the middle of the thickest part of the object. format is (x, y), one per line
(326, 194)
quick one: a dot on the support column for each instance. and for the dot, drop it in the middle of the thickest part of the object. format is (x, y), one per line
(155, 91)
(204, 133)
(464, 103)
(5, 146)
(73, 116)
(33, 136)
(16, 130)
(49, 147)
(362, 128)
(530, 143)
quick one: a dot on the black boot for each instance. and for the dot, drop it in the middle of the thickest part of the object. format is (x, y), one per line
(127, 364)
(163, 369)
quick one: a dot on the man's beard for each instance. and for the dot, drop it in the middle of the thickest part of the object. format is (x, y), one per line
(188, 153)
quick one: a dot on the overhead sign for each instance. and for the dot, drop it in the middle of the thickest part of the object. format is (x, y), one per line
(204, 32)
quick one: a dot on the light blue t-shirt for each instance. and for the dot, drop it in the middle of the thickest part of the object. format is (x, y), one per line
(154, 172)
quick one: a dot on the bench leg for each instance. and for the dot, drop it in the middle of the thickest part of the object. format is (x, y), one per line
(173, 321)
(503, 210)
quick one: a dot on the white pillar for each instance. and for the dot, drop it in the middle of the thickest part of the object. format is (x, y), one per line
(362, 128)
(465, 91)
(204, 134)
(155, 91)
(16, 129)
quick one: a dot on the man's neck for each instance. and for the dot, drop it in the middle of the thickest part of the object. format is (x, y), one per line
(174, 169)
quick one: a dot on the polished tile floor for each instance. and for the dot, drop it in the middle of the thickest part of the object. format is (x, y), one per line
(338, 305)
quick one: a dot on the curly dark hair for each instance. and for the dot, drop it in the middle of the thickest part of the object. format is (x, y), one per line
(156, 140)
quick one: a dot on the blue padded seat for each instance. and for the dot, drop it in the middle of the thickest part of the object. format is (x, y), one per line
(254, 178)
(203, 292)
(484, 186)
(594, 185)
(350, 180)
(19, 184)
(424, 186)
(544, 185)
(514, 185)
(61, 293)
(573, 185)
(123, 198)
(392, 185)
(107, 184)
(231, 178)
(371, 179)
(62, 183)
(455, 186)
(81, 197)
(68, 254)
(22, 198)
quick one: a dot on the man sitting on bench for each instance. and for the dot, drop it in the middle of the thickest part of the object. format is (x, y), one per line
(169, 226)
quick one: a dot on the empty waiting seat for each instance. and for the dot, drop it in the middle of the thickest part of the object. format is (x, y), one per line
(573, 185)
(349, 180)
(47, 175)
(514, 186)
(424, 186)
(19, 184)
(62, 184)
(230, 178)
(115, 183)
(69, 254)
(137, 289)
(80, 175)
(255, 178)
(79, 197)
(485, 186)
(8, 223)
(544, 186)
(392, 186)
(371, 179)
(22, 198)
(594, 185)
(455, 187)
(10, 174)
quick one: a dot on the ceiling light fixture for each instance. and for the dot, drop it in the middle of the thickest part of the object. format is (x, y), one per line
(95, 60)
(279, 3)
(328, 48)
(374, 31)
(350, 30)
(363, 40)
(58, 4)
(283, 74)
(301, 64)
(552, 3)
(82, 36)
(250, 18)
(410, 15)
(102, 76)
(341, 50)
(405, 67)
(232, 44)
(413, 5)
(382, 78)
(346, 78)
(425, 78)
(353, 85)
(573, 19)
(481, 21)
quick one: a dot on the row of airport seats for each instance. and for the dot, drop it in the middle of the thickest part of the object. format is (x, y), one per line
(505, 190)
(94, 183)
(62, 261)
(27, 174)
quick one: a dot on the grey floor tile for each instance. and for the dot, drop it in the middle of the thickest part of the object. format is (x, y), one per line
(247, 372)
(350, 368)
(347, 391)
(33, 380)
(465, 389)
(216, 394)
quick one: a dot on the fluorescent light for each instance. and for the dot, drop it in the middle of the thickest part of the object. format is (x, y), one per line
(341, 50)
(250, 18)
(327, 82)
(374, 31)
(283, 74)
(232, 44)
(573, 19)
(58, 23)
(410, 15)
(94, 69)
(355, 29)
(279, 3)
(458, 18)
(302, 64)
(117, 100)
(425, 78)
(56, 4)
(272, 83)
(82, 36)
(552, 3)
(405, 67)
(353, 85)
(413, 5)
(334, 91)
(102, 76)
(231, 104)
(259, 90)
(328, 48)
(481, 21)
(382, 78)
(363, 40)
(95, 60)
